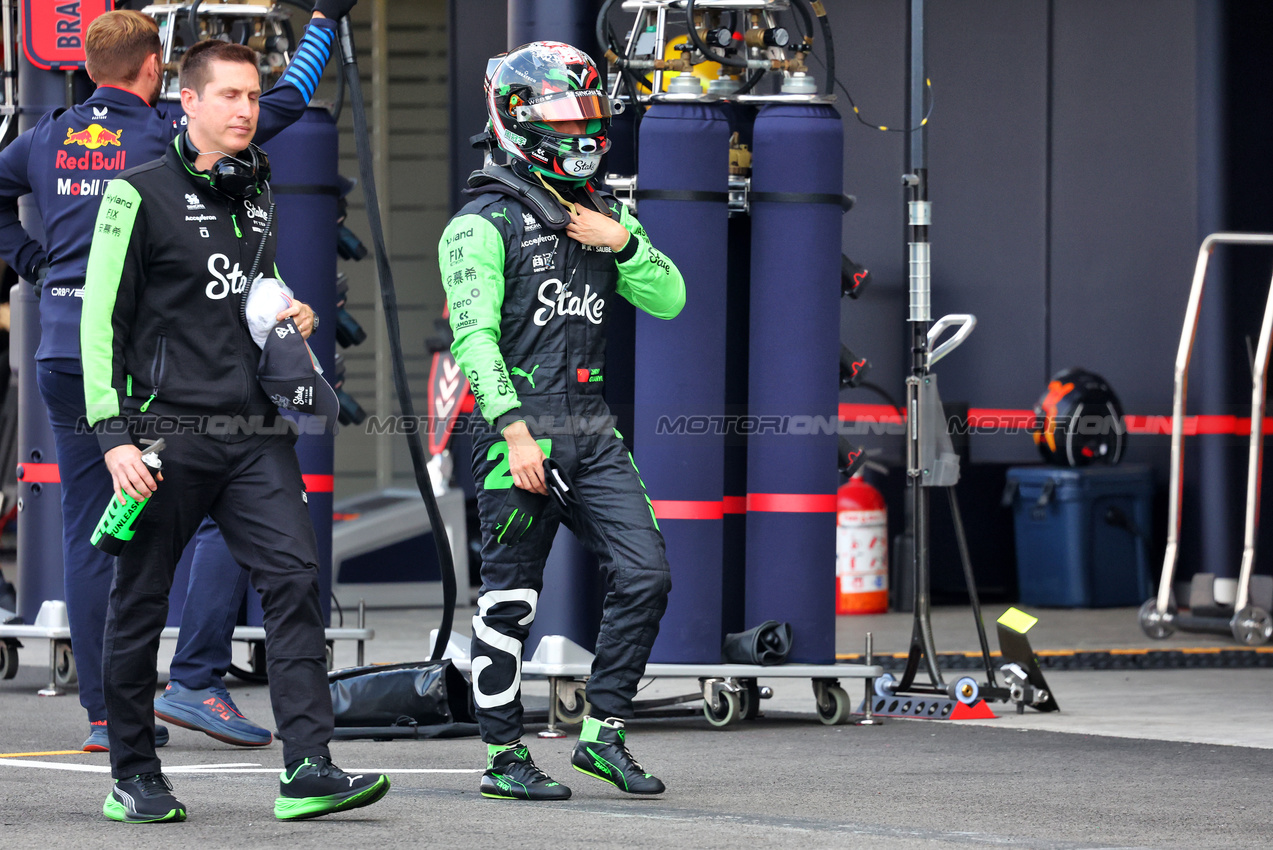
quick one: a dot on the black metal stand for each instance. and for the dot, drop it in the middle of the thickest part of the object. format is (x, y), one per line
(922, 466)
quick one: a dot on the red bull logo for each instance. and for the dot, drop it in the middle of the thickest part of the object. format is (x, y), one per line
(90, 161)
(92, 137)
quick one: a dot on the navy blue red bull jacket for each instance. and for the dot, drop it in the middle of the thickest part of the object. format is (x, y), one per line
(67, 159)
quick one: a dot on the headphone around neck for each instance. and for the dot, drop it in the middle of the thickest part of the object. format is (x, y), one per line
(235, 178)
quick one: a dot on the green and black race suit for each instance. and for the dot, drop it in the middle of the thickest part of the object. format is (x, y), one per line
(528, 308)
(529, 305)
(161, 328)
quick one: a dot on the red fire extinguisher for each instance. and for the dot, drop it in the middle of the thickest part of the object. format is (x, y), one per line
(861, 570)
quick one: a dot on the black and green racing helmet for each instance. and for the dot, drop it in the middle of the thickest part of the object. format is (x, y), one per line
(542, 82)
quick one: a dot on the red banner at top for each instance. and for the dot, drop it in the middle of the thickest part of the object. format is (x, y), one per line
(53, 31)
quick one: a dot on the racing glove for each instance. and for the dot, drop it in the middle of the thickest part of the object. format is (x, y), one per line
(334, 9)
(521, 509)
(559, 484)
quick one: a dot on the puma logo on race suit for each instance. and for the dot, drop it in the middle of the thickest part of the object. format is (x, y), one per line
(560, 301)
(529, 376)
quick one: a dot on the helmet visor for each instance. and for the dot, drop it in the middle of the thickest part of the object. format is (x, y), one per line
(565, 106)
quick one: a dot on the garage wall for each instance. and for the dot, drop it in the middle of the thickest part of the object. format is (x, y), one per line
(418, 207)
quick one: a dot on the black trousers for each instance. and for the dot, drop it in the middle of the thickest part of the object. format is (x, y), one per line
(616, 524)
(253, 489)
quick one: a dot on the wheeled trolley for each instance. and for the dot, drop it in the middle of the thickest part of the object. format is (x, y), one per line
(51, 624)
(1247, 619)
(730, 693)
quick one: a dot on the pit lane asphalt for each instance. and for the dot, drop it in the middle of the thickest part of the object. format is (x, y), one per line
(1148, 759)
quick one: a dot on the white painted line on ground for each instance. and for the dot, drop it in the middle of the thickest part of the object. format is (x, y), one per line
(392, 771)
(49, 765)
(222, 768)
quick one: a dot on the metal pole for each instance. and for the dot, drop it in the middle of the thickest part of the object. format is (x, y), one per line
(868, 717)
(920, 318)
(380, 141)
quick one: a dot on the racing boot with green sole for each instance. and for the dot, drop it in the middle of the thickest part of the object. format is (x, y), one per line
(511, 774)
(602, 752)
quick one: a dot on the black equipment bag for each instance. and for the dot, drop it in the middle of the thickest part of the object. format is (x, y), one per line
(417, 699)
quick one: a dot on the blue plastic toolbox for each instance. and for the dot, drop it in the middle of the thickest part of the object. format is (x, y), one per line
(1082, 535)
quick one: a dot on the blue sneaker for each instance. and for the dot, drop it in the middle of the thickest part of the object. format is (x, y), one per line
(212, 712)
(98, 740)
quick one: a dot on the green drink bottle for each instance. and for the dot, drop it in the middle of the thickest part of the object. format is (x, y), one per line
(117, 525)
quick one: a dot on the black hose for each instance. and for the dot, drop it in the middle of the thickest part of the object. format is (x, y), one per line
(754, 78)
(339, 105)
(603, 28)
(804, 8)
(192, 24)
(806, 22)
(389, 299)
(701, 47)
(608, 42)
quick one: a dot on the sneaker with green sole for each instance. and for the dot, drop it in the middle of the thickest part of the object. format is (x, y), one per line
(316, 787)
(144, 798)
(511, 774)
(602, 752)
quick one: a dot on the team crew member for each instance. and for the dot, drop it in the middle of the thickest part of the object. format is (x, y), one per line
(65, 162)
(164, 345)
(529, 266)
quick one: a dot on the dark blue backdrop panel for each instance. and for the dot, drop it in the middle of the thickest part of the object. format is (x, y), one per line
(681, 373)
(1124, 192)
(1126, 225)
(874, 69)
(987, 182)
(793, 371)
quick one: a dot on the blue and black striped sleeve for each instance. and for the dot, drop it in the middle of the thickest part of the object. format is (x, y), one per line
(286, 101)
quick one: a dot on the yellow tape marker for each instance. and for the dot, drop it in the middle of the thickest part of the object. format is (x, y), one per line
(53, 753)
(1017, 620)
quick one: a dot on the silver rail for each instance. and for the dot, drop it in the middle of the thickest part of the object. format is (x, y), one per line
(1258, 382)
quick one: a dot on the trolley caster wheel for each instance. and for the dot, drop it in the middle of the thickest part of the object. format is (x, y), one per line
(572, 705)
(64, 673)
(1158, 625)
(833, 705)
(1252, 626)
(749, 700)
(8, 659)
(885, 685)
(965, 690)
(727, 711)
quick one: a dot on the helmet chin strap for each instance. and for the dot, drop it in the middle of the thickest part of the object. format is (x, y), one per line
(567, 204)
